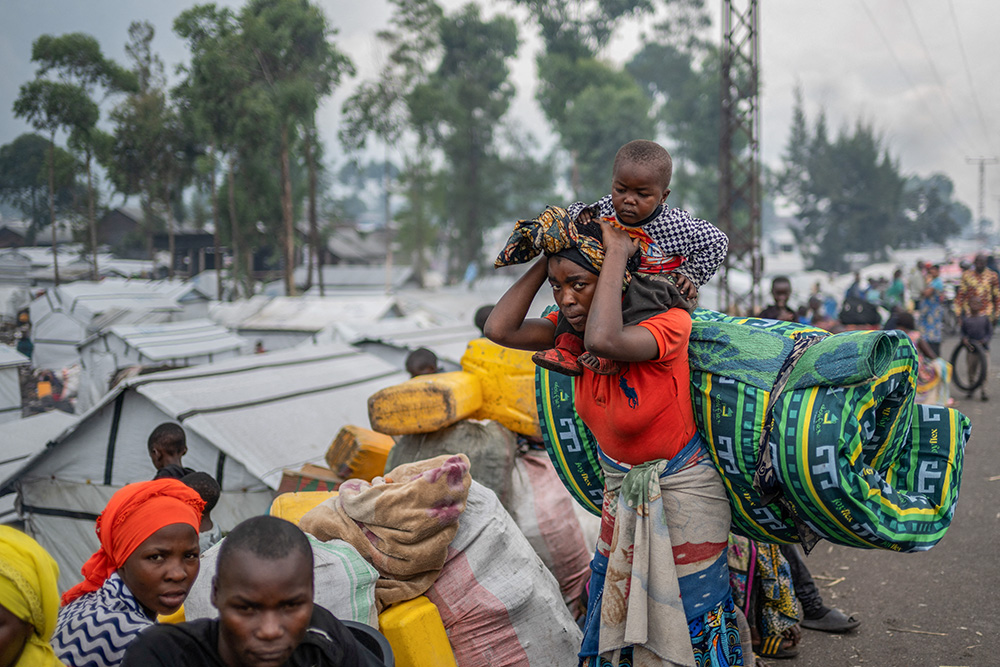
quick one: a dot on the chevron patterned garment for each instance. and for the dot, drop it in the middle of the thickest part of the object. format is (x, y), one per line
(95, 629)
(856, 460)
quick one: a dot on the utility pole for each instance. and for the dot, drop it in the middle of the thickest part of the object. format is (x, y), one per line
(982, 162)
(739, 154)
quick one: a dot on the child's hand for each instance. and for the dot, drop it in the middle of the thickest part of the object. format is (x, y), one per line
(617, 240)
(687, 288)
(585, 216)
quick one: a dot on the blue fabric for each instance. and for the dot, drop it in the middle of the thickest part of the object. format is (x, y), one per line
(705, 594)
(95, 629)
(930, 315)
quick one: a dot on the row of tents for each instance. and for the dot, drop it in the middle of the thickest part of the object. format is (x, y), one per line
(247, 416)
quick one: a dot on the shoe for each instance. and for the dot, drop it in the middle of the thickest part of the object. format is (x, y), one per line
(599, 365)
(830, 620)
(984, 397)
(773, 647)
(563, 357)
(558, 360)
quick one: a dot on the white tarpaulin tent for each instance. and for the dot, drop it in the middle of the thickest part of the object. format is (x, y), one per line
(246, 419)
(393, 344)
(283, 322)
(189, 343)
(10, 385)
(65, 316)
(22, 439)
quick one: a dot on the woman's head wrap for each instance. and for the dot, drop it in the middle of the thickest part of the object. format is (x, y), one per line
(554, 232)
(28, 590)
(133, 514)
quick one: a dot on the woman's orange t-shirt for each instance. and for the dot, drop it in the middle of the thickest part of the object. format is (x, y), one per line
(643, 413)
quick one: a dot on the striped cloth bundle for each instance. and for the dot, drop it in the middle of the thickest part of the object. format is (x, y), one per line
(852, 458)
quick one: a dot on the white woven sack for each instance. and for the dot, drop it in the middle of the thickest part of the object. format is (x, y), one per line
(500, 605)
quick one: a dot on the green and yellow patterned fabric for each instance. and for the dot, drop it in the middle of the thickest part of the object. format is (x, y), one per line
(857, 461)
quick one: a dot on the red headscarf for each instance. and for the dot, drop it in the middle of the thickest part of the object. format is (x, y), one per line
(135, 512)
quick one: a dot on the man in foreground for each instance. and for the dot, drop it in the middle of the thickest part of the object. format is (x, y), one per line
(263, 590)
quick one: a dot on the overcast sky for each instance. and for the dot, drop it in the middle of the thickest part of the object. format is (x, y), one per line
(922, 71)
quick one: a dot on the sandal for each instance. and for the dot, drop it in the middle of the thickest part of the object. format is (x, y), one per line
(774, 646)
(559, 361)
(832, 620)
(599, 365)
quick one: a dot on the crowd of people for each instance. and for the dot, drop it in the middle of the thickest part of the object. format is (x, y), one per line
(918, 306)
(151, 536)
(669, 582)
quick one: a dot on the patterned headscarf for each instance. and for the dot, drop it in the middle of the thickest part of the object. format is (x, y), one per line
(554, 232)
(133, 514)
(28, 590)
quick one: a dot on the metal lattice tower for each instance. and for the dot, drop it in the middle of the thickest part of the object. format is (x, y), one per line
(739, 156)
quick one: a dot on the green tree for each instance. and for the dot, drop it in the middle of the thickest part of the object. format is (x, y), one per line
(142, 129)
(50, 106)
(297, 66)
(847, 194)
(930, 213)
(210, 97)
(596, 130)
(463, 103)
(382, 107)
(77, 58)
(24, 181)
(571, 75)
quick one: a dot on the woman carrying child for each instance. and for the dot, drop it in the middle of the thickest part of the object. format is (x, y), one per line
(659, 591)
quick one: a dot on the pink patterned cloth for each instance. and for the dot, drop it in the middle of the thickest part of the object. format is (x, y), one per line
(401, 523)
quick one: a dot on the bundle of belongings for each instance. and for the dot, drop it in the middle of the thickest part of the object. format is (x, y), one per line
(817, 436)
(428, 528)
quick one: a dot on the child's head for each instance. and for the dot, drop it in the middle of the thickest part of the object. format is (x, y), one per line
(904, 321)
(781, 290)
(640, 180)
(207, 488)
(167, 444)
(422, 362)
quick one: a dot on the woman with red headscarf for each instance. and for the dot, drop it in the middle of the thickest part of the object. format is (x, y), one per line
(146, 565)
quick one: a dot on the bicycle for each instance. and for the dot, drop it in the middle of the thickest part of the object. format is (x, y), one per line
(969, 365)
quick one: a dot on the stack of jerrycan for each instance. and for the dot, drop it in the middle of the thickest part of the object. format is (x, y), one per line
(478, 411)
(495, 383)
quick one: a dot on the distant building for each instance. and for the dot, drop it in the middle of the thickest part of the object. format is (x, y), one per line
(345, 244)
(122, 229)
(13, 234)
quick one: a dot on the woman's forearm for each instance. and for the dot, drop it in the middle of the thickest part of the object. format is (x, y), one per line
(604, 323)
(506, 324)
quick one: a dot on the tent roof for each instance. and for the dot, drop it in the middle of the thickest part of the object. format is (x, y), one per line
(266, 411)
(11, 357)
(87, 299)
(175, 340)
(447, 342)
(356, 277)
(25, 438)
(313, 314)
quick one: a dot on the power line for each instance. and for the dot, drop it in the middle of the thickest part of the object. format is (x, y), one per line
(937, 75)
(968, 73)
(906, 76)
